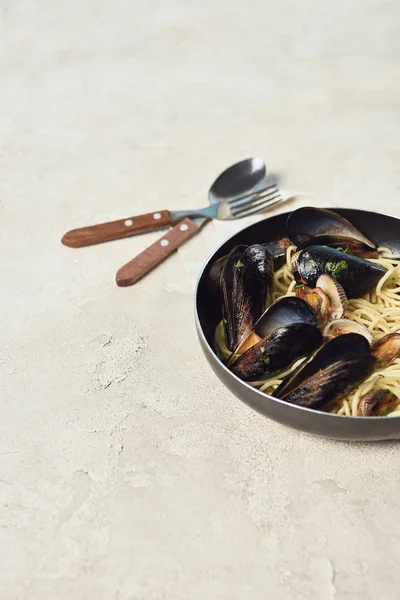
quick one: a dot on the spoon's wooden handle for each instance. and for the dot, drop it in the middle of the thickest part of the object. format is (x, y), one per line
(156, 253)
(115, 230)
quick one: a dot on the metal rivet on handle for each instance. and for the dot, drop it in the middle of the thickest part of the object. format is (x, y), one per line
(184, 227)
(164, 242)
(157, 216)
(128, 222)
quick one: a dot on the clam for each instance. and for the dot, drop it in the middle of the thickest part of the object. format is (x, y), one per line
(309, 226)
(328, 299)
(386, 350)
(295, 260)
(329, 374)
(377, 402)
(318, 301)
(343, 326)
(336, 294)
(356, 275)
(245, 282)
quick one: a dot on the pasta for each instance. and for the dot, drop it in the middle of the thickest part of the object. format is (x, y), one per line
(378, 311)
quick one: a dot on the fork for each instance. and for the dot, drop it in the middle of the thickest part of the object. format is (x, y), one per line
(114, 230)
(192, 221)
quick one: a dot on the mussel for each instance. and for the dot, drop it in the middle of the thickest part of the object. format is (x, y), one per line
(278, 250)
(356, 275)
(244, 283)
(386, 350)
(309, 226)
(286, 332)
(282, 313)
(277, 351)
(329, 374)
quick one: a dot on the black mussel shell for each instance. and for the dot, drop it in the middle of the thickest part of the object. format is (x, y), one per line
(213, 281)
(309, 226)
(333, 383)
(356, 275)
(277, 351)
(282, 313)
(228, 281)
(330, 374)
(214, 272)
(245, 284)
(278, 250)
(334, 350)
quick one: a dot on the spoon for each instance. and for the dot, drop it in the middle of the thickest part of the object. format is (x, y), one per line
(231, 196)
(237, 182)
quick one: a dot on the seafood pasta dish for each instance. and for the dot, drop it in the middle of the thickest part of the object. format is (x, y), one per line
(314, 318)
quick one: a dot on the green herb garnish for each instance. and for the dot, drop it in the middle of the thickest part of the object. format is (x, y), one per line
(334, 269)
(265, 357)
(311, 261)
(299, 285)
(239, 264)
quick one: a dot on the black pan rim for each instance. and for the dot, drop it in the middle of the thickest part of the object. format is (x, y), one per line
(228, 372)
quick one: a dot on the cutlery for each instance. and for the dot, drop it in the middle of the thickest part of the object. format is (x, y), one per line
(238, 181)
(227, 209)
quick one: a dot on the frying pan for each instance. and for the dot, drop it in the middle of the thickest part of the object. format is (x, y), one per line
(385, 231)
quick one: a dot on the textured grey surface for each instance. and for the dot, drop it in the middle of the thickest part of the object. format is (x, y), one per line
(127, 472)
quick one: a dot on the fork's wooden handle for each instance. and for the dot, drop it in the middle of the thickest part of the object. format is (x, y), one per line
(156, 253)
(115, 230)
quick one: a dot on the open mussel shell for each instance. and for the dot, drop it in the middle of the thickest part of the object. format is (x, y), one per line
(309, 226)
(214, 272)
(282, 313)
(229, 279)
(278, 250)
(356, 275)
(386, 350)
(277, 351)
(330, 374)
(245, 283)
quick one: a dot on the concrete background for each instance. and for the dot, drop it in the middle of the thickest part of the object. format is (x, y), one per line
(127, 471)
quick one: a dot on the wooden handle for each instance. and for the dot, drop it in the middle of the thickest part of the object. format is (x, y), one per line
(156, 253)
(115, 230)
